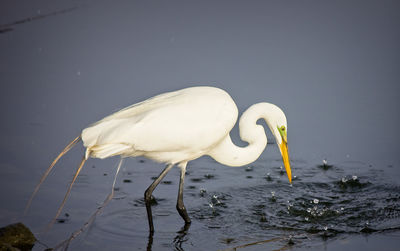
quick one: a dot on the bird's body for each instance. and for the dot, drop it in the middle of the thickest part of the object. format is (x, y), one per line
(170, 128)
(177, 127)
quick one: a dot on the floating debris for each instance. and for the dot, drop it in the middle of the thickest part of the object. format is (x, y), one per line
(61, 220)
(196, 179)
(290, 240)
(263, 218)
(228, 240)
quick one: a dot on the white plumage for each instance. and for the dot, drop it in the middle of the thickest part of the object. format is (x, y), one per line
(170, 128)
(177, 127)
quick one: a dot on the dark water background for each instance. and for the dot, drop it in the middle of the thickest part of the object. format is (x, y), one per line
(332, 67)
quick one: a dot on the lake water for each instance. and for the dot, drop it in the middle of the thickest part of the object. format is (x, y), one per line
(333, 68)
(350, 204)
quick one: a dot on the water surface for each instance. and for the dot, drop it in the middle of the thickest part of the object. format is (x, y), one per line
(332, 67)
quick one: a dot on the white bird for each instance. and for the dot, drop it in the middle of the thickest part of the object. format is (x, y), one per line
(177, 127)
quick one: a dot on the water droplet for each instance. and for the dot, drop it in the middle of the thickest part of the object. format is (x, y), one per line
(211, 205)
(344, 180)
(306, 218)
(316, 201)
(354, 177)
(325, 162)
(273, 193)
(325, 228)
(309, 210)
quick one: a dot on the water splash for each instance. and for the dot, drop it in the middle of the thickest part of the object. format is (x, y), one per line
(337, 203)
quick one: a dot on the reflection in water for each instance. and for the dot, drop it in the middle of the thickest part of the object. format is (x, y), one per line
(150, 241)
(180, 238)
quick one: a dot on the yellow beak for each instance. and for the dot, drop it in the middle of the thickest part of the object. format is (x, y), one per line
(286, 161)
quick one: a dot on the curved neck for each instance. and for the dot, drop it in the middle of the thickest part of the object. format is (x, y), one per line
(227, 153)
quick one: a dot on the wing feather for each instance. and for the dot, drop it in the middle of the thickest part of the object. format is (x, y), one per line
(190, 120)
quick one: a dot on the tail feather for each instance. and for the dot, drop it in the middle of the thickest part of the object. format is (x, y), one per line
(68, 192)
(43, 178)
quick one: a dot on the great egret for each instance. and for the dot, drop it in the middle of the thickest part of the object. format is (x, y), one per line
(177, 127)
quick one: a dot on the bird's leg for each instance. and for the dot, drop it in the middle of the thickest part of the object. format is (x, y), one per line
(179, 204)
(149, 191)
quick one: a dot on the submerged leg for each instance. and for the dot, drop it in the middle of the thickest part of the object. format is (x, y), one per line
(149, 191)
(179, 204)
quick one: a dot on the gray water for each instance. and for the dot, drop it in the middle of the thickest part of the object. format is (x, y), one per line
(229, 207)
(332, 67)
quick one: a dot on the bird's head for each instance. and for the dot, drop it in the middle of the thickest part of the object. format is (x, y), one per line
(278, 126)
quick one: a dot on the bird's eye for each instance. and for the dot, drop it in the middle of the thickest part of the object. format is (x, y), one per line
(283, 128)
